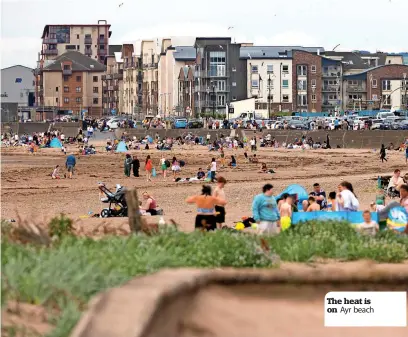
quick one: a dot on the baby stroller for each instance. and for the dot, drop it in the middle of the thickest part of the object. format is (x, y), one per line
(116, 200)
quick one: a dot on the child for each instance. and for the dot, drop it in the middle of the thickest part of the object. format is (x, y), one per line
(246, 156)
(63, 149)
(55, 173)
(368, 227)
(313, 205)
(331, 202)
(285, 211)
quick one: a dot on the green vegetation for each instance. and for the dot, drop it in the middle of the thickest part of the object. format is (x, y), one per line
(62, 274)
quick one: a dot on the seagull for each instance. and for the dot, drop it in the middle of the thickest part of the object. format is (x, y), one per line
(121, 4)
(249, 55)
(230, 27)
(221, 47)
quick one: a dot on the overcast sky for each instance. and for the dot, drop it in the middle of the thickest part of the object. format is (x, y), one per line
(354, 24)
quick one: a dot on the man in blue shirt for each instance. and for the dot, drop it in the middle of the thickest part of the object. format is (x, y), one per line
(265, 211)
(70, 164)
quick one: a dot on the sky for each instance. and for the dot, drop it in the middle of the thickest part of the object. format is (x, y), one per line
(375, 25)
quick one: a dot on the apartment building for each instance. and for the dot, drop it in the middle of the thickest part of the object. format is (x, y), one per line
(72, 84)
(220, 75)
(382, 87)
(150, 59)
(172, 60)
(186, 91)
(112, 83)
(332, 74)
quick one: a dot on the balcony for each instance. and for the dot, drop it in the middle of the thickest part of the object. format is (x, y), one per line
(153, 65)
(88, 51)
(356, 89)
(66, 71)
(330, 88)
(139, 78)
(115, 88)
(110, 88)
(102, 52)
(50, 52)
(107, 77)
(331, 74)
(118, 76)
(102, 40)
(105, 100)
(49, 40)
(328, 105)
(88, 40)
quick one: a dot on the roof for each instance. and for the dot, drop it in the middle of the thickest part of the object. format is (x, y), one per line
(184, 53)
(46, 27)
(362, 74)
(114, 48)
(17, 65)
(271, 52)
(80, 62)
(355, 60)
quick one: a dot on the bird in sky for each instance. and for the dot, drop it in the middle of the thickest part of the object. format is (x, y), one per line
(120, 5)
(230, 27)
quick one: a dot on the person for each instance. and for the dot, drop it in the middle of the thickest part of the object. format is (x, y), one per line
(200, 174)
(175, 167)
(265, 211)
(127, 165)
(205, 218)
(150, 204)
(396, 181)
(55, 173)
(70, 164)
(368, 227)
(320, 197)
(163, 166)
(264, 169)
(252, 142)
(220, 194)
(383, 153)
(285, 211)
(254, 159)
(346, 199)
(233, 162)
(222, 156)
(136, 166)
(213, 169)
(148, 167)
(404, 196)
(331, 202)
(313, 205)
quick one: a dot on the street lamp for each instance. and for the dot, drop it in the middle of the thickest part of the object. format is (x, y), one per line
(405, 87)
(269, 96)
(214, 98)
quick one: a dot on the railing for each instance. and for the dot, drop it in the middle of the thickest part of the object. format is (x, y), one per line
(50, 52)
(329, 88)
(88, 40)
(356, 89)
(107, 77)
(50, 40)
(88, 51)
(118, 76)
(110, 88)
(66, 71)
(115, 87)
(102, 40)
(331, 74)
(328, 105)
(102, 52)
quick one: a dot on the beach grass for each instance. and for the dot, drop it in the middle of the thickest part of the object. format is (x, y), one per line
(62, 273)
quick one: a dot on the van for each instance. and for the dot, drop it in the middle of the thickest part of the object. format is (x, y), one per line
(384, 115)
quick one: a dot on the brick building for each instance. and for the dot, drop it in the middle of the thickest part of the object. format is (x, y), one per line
(186, 90)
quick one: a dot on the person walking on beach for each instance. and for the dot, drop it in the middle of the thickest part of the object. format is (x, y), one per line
(136, 166)
(127, 165)
(163, 166)
(70, 164)
(148, 168)
(175, 167)
(265, 211)
(383, 153)
(220, 194)
(213, 169)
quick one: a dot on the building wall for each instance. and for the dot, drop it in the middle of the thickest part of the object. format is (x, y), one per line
(17, 92)
(394, 59)
(239, 76)
(53, 88)
(150, 59)
(308, 59)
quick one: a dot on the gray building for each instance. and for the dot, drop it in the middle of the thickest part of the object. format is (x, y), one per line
(220, 75)
(18, 86)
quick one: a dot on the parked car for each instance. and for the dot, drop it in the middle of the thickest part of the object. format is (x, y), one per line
(403, 125)
(376, 125)
(180, 123)
(195, 124)
(298, 125)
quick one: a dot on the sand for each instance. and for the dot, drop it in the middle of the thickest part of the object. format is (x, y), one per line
(29, 191)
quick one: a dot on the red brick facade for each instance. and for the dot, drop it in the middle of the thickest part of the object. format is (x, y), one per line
(309, 60)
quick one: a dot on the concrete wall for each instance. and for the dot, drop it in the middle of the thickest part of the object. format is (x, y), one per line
(346, 139)
(69, 129)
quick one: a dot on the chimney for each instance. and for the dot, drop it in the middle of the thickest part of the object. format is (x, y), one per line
(318, 51)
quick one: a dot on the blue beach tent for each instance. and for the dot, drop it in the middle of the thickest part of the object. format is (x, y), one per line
(55, 143)
(121, 147)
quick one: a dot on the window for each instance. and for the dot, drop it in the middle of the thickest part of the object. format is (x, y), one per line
(302, 85)
(66, 67)
(255, 84)
(56, 99)
(356, 96)
(95, 101)
(386, 99)
(78, 78)
(95, 78)
(374, 83)
(221, 85)
(301, 70)
(56, 89)
(234, 84)
(269, 68)
(66, 88)
(313, 83)
(78, 89)
(313, 69)
(386, 85)
(96, 90)
(285, 98)
(254, 69)
(78, 36)
(302, 100)
(221, 100)
(101, 47)
(332, 97)
(66, 78)
(77, 47)
(353, 82)
(285, 69)
(78, 99)
(217, 64)
(66, 99)
(234, 69)
(313, 98)
(285, 84)
(70, 47)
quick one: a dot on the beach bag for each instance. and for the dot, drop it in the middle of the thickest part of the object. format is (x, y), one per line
(167, 163)
(182, 163)
(153, 172)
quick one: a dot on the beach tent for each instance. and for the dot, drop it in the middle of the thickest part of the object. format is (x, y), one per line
(121, 147)
(295, 189)
(55, 143)
(149, 139)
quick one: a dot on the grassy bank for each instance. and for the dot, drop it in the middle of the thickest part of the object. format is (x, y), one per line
(64, 275)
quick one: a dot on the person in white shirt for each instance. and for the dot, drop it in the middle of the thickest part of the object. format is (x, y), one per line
(346, 200)
(213, 169)
(252, 143)
(62, 138)
(368, 227)
(396, 181)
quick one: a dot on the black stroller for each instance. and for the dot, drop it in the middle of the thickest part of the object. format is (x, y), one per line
(116, 200)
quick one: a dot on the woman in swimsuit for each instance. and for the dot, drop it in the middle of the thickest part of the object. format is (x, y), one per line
(205, 219)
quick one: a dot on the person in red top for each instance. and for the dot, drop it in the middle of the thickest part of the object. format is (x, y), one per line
(150, 204)
(148, 168)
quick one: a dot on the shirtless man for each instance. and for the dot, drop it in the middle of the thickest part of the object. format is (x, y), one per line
(313, 205)
(285, 210)
(220, 194)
